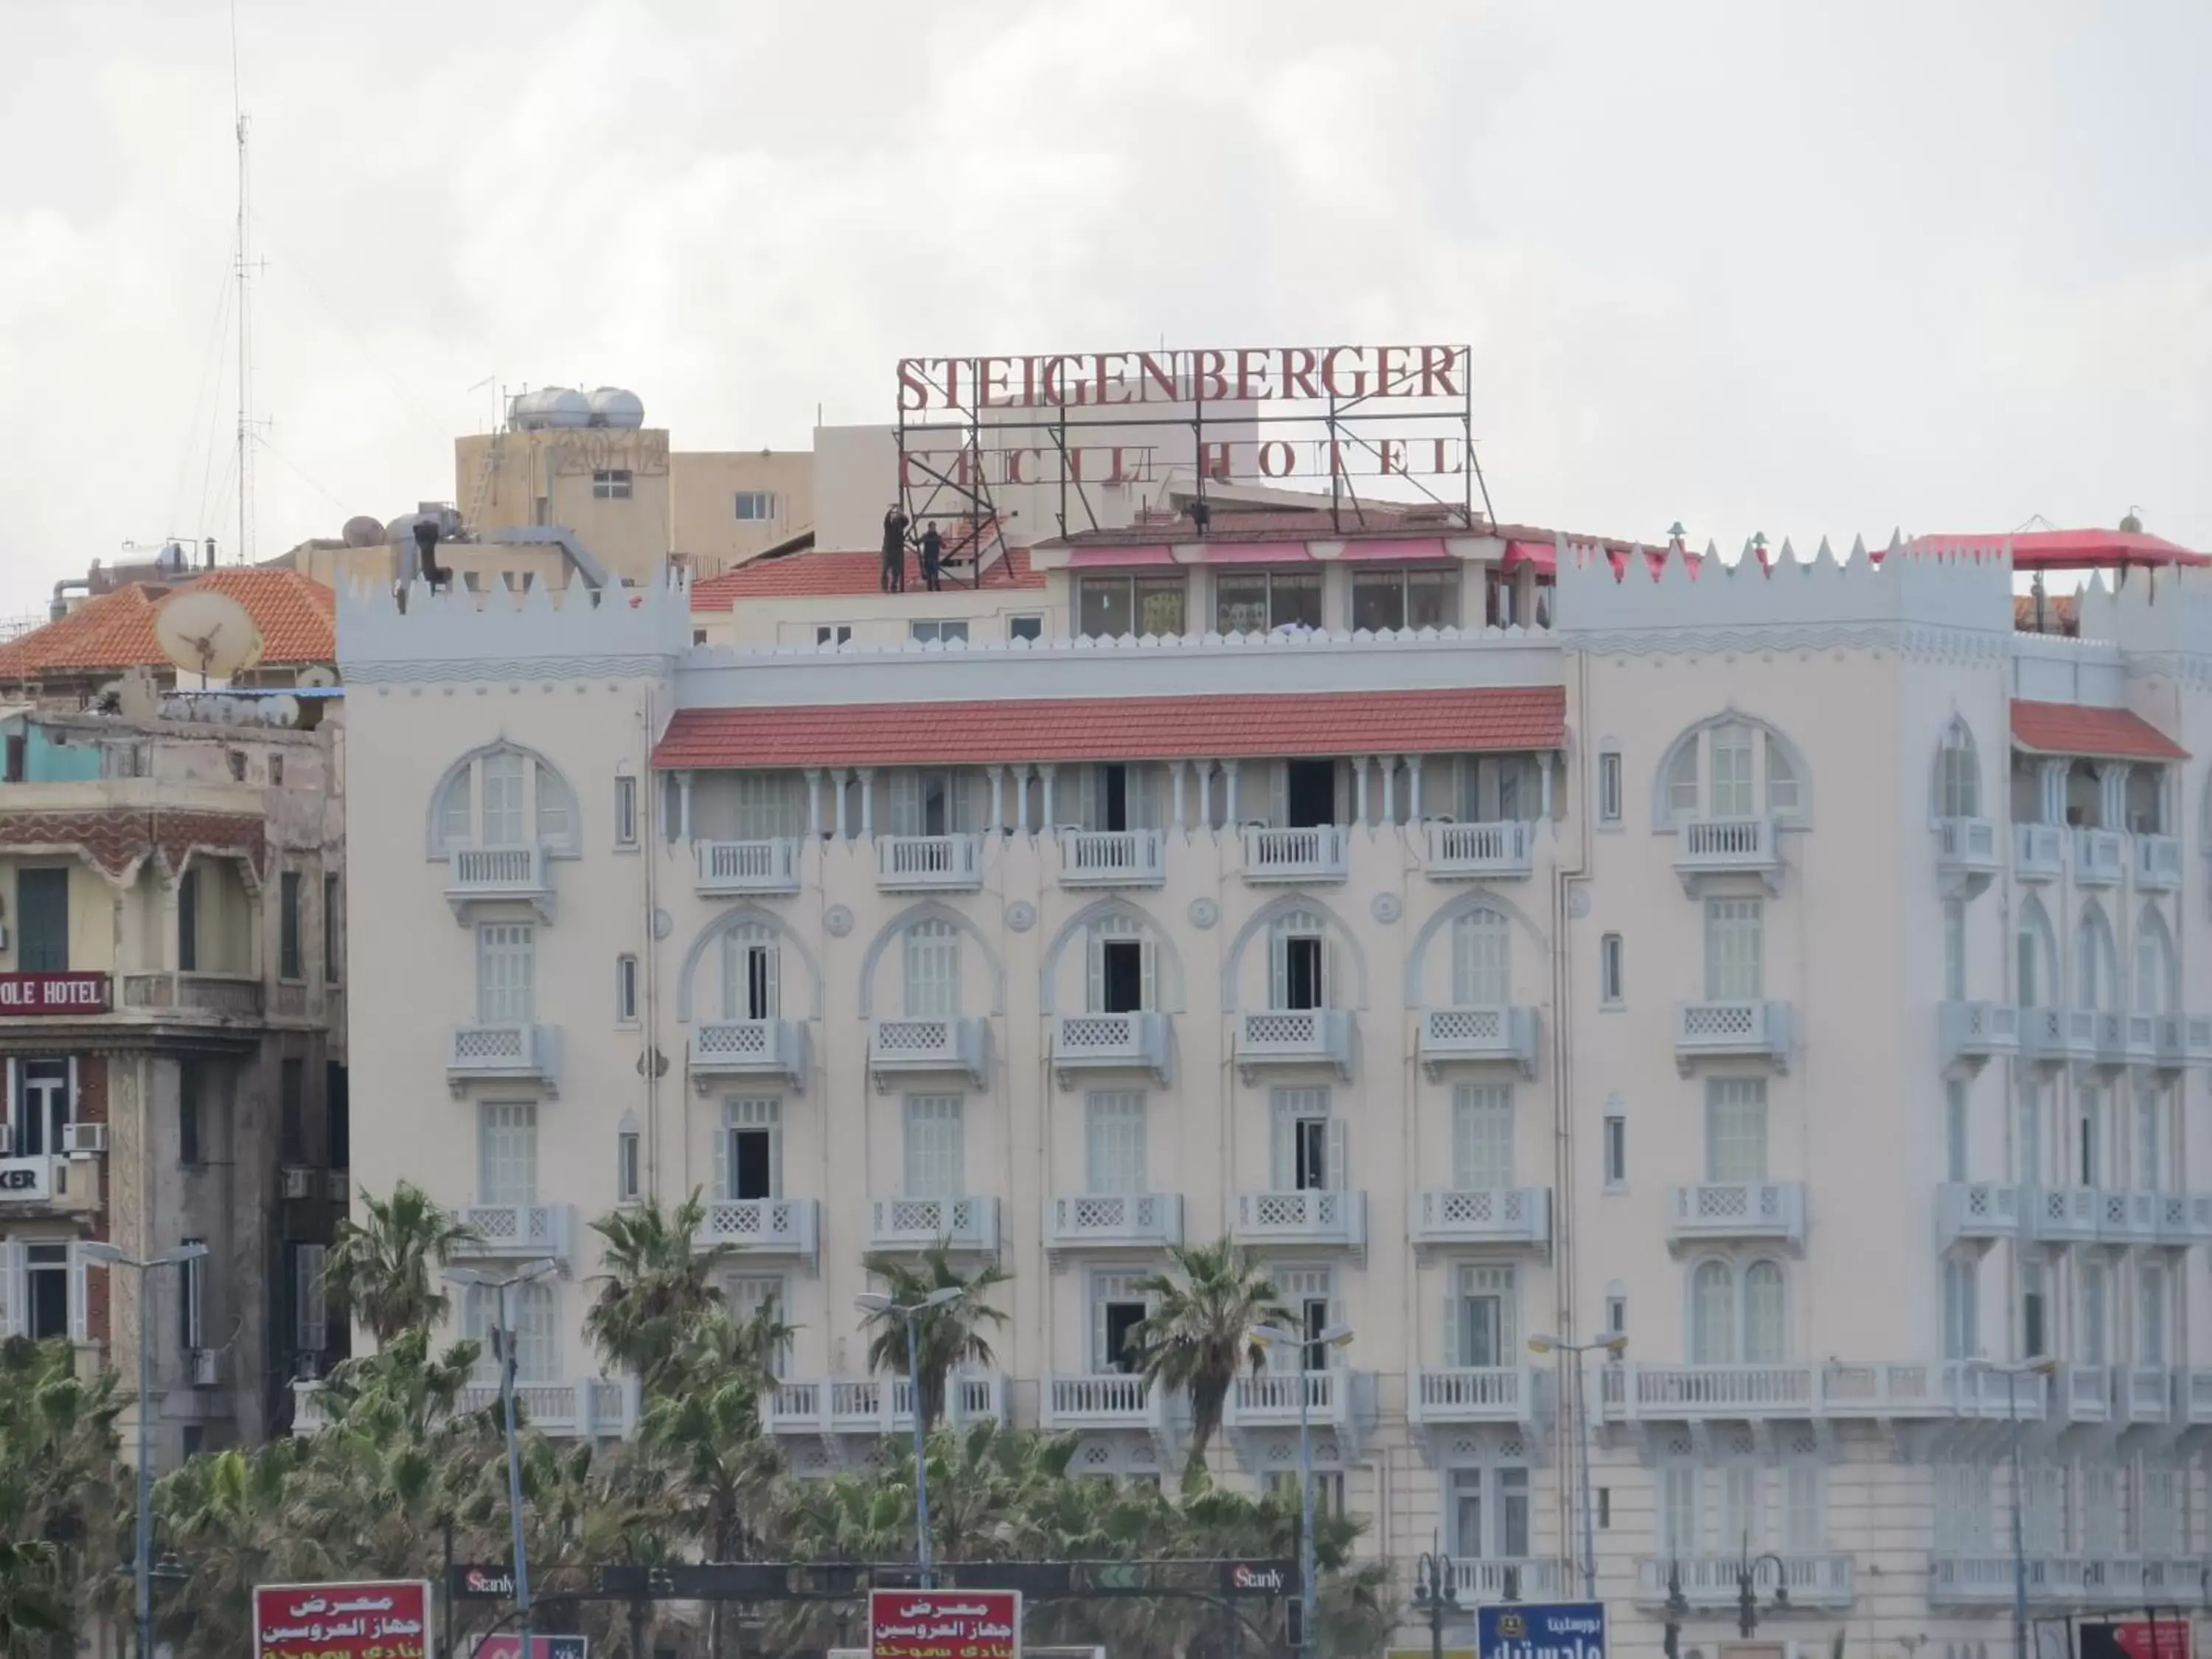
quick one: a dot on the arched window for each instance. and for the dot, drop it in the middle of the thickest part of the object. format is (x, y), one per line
(1482, 961)
(2096, 964)
(1712, 1316)
(2154, 988)
(1299, 953)
(751, 975)
(1122, 976)
(2038, 985)
(1958, 774)
(933, 970)
(503, 796)
(1765, 1331)
(1730, 768)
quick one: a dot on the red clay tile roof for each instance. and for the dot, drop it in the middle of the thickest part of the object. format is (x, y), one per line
(1118, 728)
(116, 630)
(2067, 728)
(835, 574)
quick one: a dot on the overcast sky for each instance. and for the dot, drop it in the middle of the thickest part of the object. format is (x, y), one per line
(1784, 267)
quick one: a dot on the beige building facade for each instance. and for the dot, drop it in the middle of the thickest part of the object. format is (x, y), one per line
(1796, 973)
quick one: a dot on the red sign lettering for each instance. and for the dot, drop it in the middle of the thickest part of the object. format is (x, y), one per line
(370, 1619)
(945, 1624)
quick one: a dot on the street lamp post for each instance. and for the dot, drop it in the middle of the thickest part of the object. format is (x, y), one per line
(1746, 1591)
(1437, 1592)
(1615, 1344)
(503, 1341)
(910, 1313)
(101, 1251)
(2034, 1365)
(1275, 1338)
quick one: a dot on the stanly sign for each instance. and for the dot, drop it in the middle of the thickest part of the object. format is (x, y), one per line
(383, 1619)
(945, 1624)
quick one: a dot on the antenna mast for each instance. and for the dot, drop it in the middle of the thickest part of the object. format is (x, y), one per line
(244, 329)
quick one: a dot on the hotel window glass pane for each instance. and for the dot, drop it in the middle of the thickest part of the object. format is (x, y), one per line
(1431, 598)
(1513, 1514)
(1678, 1509)
(1294, 600)
(1736, 1129)
(1160, 604)
(1781, 781)
(2150, 1315)
(2149, 1164)
(504, 973)
(1482, 961)
(752, 979)
(1766, 1327)
(1488, 1301)
(1608, 787)
(454, 810)
(1378, 599)
(1466, 1514)
(1102, 606)
(934, 1151)
(2096, 1314)
(1733, 966)
(1114, 1126)
(1730, 758)
(1682, 780)
(1240, 603)
(933, 970)
(502, 803)
(506, 1168)
(1482, 1138)
(1738, 1520)
(1712, 1316)
(1801, 1528)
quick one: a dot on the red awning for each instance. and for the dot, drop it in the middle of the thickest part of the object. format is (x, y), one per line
(1543, 554)
(2073, 728)
(2070, 550)
(1117, 558)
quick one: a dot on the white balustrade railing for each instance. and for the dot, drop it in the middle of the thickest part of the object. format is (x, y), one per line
(503, 1049)
(517, 1229)
(927, 1044)
(749, 867)
(1505, 848)
(1134, 1040)
(750, 1047)
(1295, 1036)
(1976, 1031)
(913, 863)
(1308, 1216)
(1112, 857)
(1478, 1034)
(489, 872)
(2158, 862)
(2038, 851)
(1739, 1209)
(1113, 1399)
(2101, 856)
(1967, 843)
(964, 1223)
(1483, 1215)
(1812, 1580)
(1272, 1397)
(1732, 1028)
(1473, 1393)
(1100, 1220)
(1313, 854)
(1723, 846)
(761, 1226)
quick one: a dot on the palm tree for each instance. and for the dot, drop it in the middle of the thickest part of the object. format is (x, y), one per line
(716, 1474)
(34, 1606)
(385, 1268)
(659, 1286)
(1197, 1335)
(946, 1337)
(62, 1504)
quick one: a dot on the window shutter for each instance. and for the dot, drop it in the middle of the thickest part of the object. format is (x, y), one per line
(906, 803)
(1283, 1164)
(1094, 948)
(14, 1294)
(775, 1150)
(1086, 805)
(770, 970)
(1332, 974)
(1148, 959)
(1452, 1355)
(1278, 794)
(1143, 798)
(1101, 1358)
(80, 1311)
(725, 1170)
(1278, 965)
(72, 1096)
(1339, 1177)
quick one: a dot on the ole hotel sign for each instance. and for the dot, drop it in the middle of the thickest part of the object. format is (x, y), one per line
(22, 994)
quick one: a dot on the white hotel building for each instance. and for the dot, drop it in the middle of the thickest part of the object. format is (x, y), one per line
(1802, 973)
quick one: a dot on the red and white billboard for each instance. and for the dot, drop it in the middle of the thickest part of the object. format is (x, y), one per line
(378, 1619)
(945, 1624)
(53, 993)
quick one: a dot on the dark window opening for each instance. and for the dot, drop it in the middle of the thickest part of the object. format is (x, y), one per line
(1309, 1149)
(292, 1109)
(48, 1266)
(1121, 1319)
(937, 803)
(188, 1111)
(1121, 967)
(42, 921)
(333, 956)
(750, 1158)
(1313, 1315)
(287, 926)
(760, 983)
(1114, 798)
(19, 762)
(1311, 792)
(338, 1109)
(2033, 1335)
(41, 1114)
(1302, 975)
(188, 920)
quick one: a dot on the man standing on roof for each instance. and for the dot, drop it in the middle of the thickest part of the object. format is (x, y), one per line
(893, 572)
(933, 555)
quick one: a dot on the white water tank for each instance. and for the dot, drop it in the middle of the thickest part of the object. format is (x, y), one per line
(613, 406)
(551, 406)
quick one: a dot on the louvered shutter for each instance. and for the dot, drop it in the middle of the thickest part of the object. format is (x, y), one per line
(1338, 1176)
(1279, 795)
(80, 1310)
(14, 1291)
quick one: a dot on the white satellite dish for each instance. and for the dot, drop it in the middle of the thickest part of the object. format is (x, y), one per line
(316, 674)
(282, 709)
(203, 631)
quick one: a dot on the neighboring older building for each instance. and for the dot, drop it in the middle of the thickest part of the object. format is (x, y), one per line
(171, 1015)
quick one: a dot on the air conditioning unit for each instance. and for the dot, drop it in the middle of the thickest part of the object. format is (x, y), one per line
(85, 1139)
(207, 1368)
(298, 1183)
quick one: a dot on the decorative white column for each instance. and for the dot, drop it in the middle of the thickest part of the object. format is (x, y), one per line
(1178, 767)
(997, 776)
(840, 778)
(867, 803)
(1229, 814)
(2113, 794)
(684, 807)
(1544, 761)
(2051, 778)
(814, 803)
(1413, 789)
(1390, 764)
(1359, 791)
(1051, 822)
(1022, 799)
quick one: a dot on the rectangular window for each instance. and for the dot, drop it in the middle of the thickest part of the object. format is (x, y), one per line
(1616, 1316)
(1483, 1316)
(505, 973)
(188, 1111)
(288, 965)
(1739, 1508)
(1954, 1130)
(2150, 1315)
(2034, 1309)
(833, 634)
(292, 1111)
(42, 921)
(1961, 1308)
(534, 1338)
(191, 1301)
(755, 506)
(1107, 607)
(1608, 787)
(934, 1163)
(337, 1115)
(503, 810)
(17, 765)
(2093, 1343)
(1025, 627)
(752, 987)
(333, 940)
(751, 1164)
(932, 971)
(625, 812)
(1260, 601)
(310, 1304)
(1404, 598)
(1955, 951)
(628, 1170)
(925, 633)
(1604, 1508)
(188, 920)
(1616, 1151)
(1298, 976)
(276, 771)
(1482, 1137)
(1678, 1509)
(43, 1107)
(626, 990)
(1735, 1128)
(2150, 1164)
(506, 1152)
(1117, 1307)
(1733, 929)
(1303, 1141)
(1804, 1523)
(1612, 971)
(1113, 1143)
(1733, 791)
(610, 484)
(237, 765)
(2027, 1146)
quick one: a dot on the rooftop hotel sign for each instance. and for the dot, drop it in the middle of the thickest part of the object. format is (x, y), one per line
(1317, 417)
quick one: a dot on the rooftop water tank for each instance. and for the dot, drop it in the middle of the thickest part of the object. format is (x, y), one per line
(361, 531)
(613, 406)
(551, 406)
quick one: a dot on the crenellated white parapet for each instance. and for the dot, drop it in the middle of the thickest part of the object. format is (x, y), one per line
(1916, 598)
(390, 636)
(2161, 620)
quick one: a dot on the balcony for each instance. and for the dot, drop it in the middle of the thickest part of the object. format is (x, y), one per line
(929, 864)
(2051, 1037)
(2082, 1393)
(761, 1226)
(1271, 1400)
(2066, 1582)
(1295, 1036)
(943, 1048)
(970, 1225)
(1706, 847)
(1770, 1210)
(1966, 856)
(1474, 1036)
(2142, 1395)
(1132, 1042)
(772, 1049)
(1709, 1582)
(2114, 1216)
(2158, 863)
(2178, 1041)
(2192, 1398)
(1970, 1033)
(1481, 851)
(1976, 1212)
(507, 1052)
(1505, 1579)
(498, 875)
(217, 996)
(2183, 1218)
(1873, 1390)
(1113, 1221)
(1110, 1402)
(1455, 1395)
(609, 1407)
(1112, 857)
(2100, 858)
(2038, 851)
(1311, 1217)
(875, 1405)
(747, 866)
(1484, 1215)
(517, 1232)
(1311, 855)
(1726, 1030)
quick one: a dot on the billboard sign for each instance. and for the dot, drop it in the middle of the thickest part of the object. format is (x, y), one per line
(27, 994)
(1540, 1630)
(2137, 1638)
(945, 1624)
(374, 1618)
